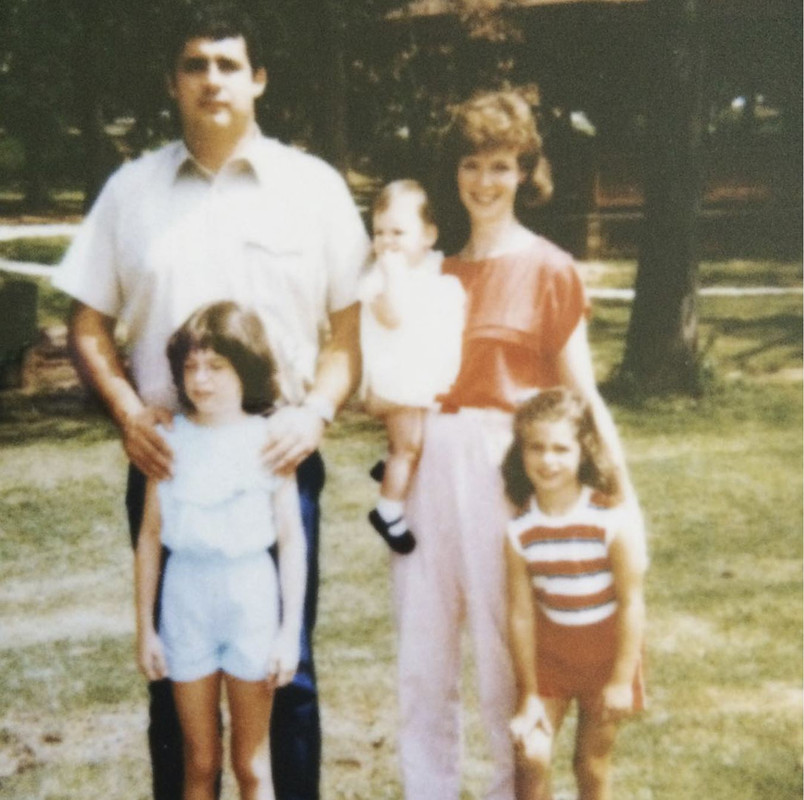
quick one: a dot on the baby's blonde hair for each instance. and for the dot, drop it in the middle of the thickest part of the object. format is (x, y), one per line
(399, 188)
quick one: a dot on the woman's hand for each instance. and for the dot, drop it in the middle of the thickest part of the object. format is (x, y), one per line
(151, 656)
(284, 660)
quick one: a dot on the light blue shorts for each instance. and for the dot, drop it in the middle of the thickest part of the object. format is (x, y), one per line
(219, 614)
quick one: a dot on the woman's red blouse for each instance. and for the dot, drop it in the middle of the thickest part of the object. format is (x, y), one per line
(521, 310)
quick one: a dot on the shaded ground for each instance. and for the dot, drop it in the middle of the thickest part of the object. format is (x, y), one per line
(49, 380)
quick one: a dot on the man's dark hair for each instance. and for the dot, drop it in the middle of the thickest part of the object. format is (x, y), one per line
(212, 19)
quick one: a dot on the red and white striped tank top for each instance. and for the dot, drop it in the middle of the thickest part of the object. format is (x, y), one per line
(568, 558)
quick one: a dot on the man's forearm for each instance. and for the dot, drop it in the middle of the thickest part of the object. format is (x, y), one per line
(338, 369)
(98, 363)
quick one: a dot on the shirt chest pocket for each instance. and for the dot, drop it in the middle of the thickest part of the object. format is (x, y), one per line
(277, 276)
(273, 263)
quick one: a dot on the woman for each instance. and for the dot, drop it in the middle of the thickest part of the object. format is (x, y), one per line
(525, 331)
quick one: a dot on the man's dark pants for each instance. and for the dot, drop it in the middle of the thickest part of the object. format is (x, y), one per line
(295, 723)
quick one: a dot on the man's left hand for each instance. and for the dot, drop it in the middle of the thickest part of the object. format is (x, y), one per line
(294, 432)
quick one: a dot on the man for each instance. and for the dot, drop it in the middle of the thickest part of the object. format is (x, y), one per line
(223, 214)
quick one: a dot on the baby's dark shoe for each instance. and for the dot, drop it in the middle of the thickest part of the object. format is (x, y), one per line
(401, 543)
(378, 471)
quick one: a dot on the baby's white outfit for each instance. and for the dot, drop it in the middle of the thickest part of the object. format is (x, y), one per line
(419, 358)
(220, 593)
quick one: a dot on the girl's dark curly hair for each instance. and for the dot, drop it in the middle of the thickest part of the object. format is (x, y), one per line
(237, 334)
(553, 405)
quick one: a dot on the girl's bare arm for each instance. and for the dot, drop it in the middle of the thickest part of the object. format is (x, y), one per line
(530, 710)
(147, 565)
(293, 578)
(628, 560)
(521, 625)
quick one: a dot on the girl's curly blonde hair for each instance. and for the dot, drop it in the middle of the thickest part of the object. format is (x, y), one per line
(553, 405)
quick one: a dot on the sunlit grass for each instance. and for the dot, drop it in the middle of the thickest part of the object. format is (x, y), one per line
(720, 479)
(38, 250)
(747, 336)
(621, 274)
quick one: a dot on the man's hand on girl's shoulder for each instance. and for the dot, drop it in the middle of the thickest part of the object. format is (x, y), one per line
(145, 448)
(294, 432)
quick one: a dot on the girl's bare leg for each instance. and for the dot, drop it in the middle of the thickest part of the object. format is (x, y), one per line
(533, 780)
(594, 745)
(250, 710)
(198, 704)
(405, 429)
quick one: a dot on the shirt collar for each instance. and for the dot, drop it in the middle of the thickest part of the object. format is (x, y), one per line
(249, 159)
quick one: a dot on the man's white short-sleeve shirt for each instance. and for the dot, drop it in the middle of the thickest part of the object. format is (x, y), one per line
(275, 229)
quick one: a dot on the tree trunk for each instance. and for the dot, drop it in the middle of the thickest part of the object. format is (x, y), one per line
(662, 342)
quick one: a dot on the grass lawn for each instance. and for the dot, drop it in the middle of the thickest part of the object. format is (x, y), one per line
(721, 484)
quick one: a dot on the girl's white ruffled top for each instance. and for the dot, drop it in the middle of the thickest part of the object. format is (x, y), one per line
(219, 501)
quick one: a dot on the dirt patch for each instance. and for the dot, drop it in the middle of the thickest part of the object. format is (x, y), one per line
(28, 741)
(48, 366)
(47, 376)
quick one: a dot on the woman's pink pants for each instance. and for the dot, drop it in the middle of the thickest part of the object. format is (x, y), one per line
(455, 575)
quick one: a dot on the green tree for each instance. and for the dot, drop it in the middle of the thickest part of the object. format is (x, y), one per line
(34, 43)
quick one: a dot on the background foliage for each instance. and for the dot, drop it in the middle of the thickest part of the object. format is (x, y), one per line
(368, 84)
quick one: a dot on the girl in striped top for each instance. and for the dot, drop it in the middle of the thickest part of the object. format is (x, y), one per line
(576, 561)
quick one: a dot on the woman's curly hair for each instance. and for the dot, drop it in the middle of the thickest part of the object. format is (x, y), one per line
(490, 120)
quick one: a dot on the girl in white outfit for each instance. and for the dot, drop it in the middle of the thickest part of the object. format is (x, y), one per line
(219, 516)
(411, 326)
